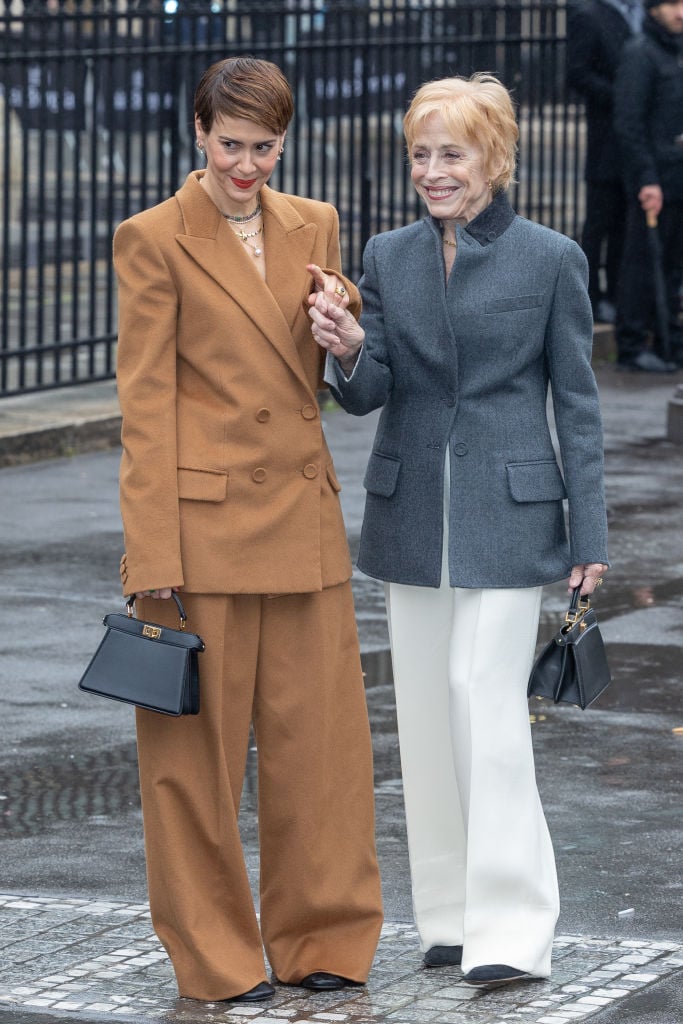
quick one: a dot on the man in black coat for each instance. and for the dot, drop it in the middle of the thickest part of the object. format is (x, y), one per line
(596, 33)
(648, 120)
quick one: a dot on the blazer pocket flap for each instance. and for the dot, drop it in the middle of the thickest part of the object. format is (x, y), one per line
(509, 303)
(332, 477)
(536, 481)
(381, 475)
(202, 484)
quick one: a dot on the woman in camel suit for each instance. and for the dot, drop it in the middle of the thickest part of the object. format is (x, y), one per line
(228, 493)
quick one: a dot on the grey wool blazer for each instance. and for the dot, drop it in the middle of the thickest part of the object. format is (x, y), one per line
(461, 371)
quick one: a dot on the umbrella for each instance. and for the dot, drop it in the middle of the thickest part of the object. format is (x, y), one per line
(661, 304)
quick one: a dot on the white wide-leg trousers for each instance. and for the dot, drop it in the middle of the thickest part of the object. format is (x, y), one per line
(481, 857)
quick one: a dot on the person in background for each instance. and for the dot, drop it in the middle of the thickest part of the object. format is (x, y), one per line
(228, 492)
(596, 33)
(469, 317)
(648, 120)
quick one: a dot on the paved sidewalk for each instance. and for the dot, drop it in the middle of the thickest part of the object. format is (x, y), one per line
(96, 960)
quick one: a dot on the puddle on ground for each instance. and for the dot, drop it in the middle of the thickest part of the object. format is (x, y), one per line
(96, 787)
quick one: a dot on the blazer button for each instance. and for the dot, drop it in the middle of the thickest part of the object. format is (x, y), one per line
(259, 475)
(309, 412)
(460, 448)
(310, 471)
(263, 415)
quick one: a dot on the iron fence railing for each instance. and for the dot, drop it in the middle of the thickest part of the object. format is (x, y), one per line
(95, 124)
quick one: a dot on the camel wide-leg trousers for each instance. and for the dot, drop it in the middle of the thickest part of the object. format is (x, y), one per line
(291, 666)
(481, 859)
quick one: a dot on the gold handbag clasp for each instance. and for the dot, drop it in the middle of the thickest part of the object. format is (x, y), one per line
(152, 632)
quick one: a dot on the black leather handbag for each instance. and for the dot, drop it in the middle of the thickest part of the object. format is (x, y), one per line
(573, 667)
(142, 663)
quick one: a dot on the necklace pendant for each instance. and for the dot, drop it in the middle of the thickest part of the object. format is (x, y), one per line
(242, 234)
(257, 252)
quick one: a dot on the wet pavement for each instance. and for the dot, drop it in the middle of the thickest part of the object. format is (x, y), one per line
(76, 937)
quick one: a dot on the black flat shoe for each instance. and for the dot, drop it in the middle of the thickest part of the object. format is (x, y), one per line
(443, 956)
(321, 981)
(493, 975)
(259, 993)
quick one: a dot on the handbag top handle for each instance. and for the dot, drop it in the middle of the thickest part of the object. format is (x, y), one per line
(578, 607)
(179, 605)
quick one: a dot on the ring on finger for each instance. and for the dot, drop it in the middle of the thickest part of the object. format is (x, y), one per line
(340, 290)
(599, 581)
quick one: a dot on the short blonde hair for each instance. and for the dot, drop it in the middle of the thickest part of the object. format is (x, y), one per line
(479, 109)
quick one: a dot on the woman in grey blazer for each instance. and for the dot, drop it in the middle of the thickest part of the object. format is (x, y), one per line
(468, 317)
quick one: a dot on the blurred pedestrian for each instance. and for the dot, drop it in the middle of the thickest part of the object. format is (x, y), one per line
(468, 317)
(596, 33)
(649, 127)
(228, 491)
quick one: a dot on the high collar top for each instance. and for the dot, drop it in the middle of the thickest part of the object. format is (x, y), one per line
(488, 225)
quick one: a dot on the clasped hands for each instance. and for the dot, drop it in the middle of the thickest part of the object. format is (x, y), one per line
(333, 327)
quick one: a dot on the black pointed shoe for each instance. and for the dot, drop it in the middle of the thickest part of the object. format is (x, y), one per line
(322, 981)
(493, 975)
(259, 993)
(443, 956)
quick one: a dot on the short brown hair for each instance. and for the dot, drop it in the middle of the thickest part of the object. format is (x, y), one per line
(479, 108)
(244, 87)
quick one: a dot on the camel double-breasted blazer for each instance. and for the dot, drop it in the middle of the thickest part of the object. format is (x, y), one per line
(227, 484)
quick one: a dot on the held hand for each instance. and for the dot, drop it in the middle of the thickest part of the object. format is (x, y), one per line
(588, 577)
(328, 285)
(651, 199)
(164, 593)
(336, 330)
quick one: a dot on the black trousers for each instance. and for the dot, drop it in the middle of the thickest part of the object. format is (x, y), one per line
(603, 230)
(636, 296)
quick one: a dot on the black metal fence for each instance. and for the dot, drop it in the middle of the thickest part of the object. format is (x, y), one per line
(95, 124)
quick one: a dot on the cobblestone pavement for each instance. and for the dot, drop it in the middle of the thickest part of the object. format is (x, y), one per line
(101, 959)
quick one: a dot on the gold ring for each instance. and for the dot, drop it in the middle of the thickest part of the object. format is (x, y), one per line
(599, 582)
(341, 290)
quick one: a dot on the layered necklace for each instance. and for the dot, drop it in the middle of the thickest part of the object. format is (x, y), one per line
(246, 235)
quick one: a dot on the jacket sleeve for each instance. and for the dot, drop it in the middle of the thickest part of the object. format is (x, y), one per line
(635, 83)
(370, 384)
(333, 265)
(146, 377)
(576, 405)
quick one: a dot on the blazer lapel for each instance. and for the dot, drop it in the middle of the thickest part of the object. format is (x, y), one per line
(215, 247)
(290, 245)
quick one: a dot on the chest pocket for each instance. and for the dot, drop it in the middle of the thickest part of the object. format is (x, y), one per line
(512, 303)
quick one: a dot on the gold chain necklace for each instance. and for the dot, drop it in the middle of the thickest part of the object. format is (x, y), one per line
(246, 235)
(446, 241)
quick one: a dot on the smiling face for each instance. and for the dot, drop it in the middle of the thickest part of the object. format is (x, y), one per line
(448, 173)
(240, 158)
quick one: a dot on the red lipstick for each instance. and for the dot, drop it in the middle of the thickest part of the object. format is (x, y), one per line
(241, 183)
